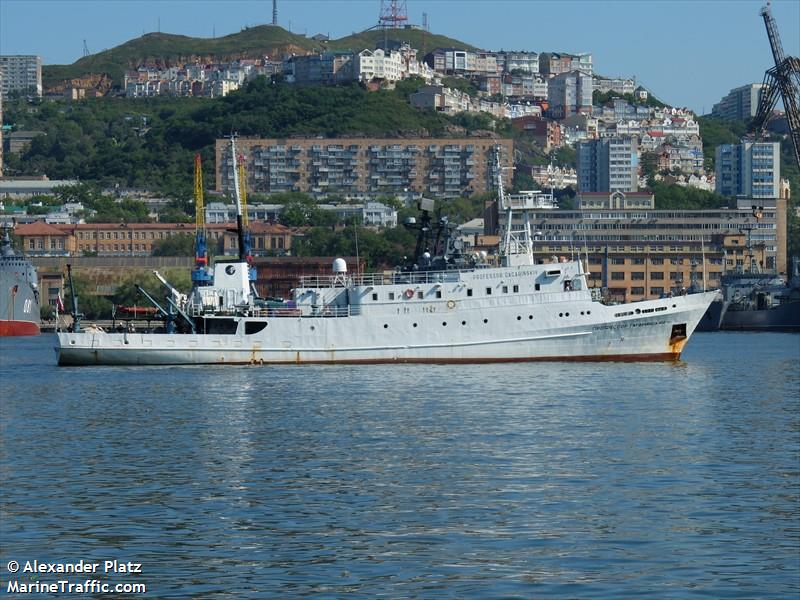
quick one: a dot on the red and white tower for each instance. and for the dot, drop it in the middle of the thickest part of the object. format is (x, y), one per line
(393, 14)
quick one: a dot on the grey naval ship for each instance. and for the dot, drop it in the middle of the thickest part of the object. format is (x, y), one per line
(19, 292)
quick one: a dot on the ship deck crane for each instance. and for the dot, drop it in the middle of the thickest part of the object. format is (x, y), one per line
(783, 79)
(200, 274)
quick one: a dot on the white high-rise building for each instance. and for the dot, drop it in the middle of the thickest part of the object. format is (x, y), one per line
(20, 73)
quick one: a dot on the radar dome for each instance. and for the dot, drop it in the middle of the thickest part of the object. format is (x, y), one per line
(339, 266)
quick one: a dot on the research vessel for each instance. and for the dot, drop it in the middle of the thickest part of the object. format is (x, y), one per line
(445, 306)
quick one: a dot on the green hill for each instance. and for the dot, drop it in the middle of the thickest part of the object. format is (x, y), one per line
(253, 42)
(417, 38)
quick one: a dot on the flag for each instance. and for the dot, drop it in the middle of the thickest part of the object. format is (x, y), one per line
(59, 303)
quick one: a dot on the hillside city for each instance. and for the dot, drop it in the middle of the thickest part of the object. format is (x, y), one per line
(627, 176)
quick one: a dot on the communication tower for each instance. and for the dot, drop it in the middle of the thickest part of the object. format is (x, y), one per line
(274, 12)
(393, 14)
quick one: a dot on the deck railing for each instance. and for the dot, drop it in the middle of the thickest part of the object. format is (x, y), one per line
(372, 279)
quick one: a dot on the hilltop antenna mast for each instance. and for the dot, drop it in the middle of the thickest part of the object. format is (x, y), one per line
(393, 14)
(85, 49)
(424, 34)
(274, 12)
(783, 78)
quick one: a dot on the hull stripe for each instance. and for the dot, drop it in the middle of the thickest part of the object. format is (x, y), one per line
(16, 328)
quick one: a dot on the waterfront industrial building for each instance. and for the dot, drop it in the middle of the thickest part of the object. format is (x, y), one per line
(640, 253)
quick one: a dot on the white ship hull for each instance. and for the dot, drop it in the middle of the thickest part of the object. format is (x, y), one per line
(553, 326)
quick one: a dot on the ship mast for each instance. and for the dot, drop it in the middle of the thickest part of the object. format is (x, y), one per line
(238, 196)
(517, 249)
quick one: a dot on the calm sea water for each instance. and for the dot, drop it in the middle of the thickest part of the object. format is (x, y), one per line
(673, 480)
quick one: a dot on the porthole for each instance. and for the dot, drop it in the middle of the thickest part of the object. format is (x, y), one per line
(588, 312)
(415, 324)
(444, 323)
(560, 314)
(530, 317)
(674, 306)
(385, 326)
(463, 322)
(581, 312)
(313, 328)
(486, 320)
(519, 318)
(566, 314)
(638, 311)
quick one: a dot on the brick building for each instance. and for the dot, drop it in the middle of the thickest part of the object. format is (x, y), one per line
(138, 239)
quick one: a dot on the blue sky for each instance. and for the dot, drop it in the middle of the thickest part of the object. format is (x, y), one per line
(688, 52)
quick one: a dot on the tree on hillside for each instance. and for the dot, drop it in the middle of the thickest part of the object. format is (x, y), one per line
(181, 244)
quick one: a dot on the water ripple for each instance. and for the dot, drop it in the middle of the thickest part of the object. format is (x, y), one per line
(509, 481)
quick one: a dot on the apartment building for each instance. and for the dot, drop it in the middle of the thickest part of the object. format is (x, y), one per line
(546, 133)
(750, 169)
(608, 165)
(555, 63)
(569, 93)
(527, 62)
(739, 103)
(453, 61)
(437, 167)
(20, 74)
(620, 85)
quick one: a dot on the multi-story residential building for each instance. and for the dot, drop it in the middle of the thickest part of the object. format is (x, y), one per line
(546, 133)
(644, 253)
(440, 167)
(685, 159)
(750, 169)
(441, 99)
(448, 100)
(569, 93)
(527, 62)
(608, 165)
(377, 64)
(739, 103)
(453, 61)
(620, 85)
(524, 86)
(555, 63)
(21, 74)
